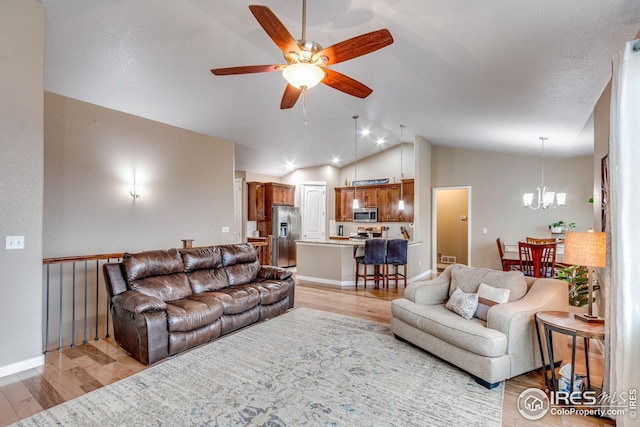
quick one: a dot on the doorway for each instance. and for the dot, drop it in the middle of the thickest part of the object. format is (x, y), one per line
(451, 226)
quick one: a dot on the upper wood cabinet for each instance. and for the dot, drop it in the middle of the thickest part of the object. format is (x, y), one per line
(407, 195)
(282, 194)
(344, 204)
(389, 198)
(385, 197)
(263, 195)
(255, 205)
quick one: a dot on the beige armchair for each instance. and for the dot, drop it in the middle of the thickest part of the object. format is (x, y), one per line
(503, 346)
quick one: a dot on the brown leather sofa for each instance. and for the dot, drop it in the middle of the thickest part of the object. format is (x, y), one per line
(166, 301)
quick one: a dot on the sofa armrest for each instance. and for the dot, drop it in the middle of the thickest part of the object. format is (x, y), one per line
(544, 295)
(137, 302)
(273, 272)
(429, 292)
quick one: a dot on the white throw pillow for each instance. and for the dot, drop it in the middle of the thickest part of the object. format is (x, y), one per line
(463, 303)
(488, 296)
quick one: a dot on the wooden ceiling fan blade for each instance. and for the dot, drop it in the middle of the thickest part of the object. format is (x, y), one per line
(356, 46)
(346, 84)
(275, 29)
(290, 97)
(246, 69)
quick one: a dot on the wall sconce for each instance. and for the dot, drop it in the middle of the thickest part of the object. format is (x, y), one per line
(135, 190)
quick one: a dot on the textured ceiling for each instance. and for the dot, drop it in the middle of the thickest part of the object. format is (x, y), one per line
(486, 74)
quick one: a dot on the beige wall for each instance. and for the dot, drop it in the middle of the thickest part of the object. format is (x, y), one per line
(498, 181)
(385, 164)
(91, 155)
(21, 143)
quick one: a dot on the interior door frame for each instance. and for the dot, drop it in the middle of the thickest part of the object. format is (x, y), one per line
(434, 223)
(238, 210)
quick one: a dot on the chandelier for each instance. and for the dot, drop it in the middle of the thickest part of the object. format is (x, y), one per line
(546, 199)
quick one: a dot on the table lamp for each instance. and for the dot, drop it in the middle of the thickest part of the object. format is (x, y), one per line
(590, 250)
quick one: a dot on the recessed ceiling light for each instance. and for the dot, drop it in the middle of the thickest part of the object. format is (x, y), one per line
(380, 141)
(365, 132)
(336, 160)
(290, 166)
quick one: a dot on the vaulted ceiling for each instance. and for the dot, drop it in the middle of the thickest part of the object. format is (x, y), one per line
(486, 74)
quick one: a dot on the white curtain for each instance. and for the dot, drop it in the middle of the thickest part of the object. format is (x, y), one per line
(623, 322)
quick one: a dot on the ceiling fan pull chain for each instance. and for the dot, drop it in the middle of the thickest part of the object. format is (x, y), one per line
(304, 104)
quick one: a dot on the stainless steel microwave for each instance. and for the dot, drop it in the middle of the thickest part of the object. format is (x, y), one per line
(365, 215)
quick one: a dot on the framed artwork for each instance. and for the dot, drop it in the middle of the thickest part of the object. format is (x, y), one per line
(604, 188)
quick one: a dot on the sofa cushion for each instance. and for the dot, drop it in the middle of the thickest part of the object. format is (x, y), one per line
(159, 274)
(271, 291)
(468, 279)
(193, 312)
(463, 304)
(240, 263)
(200, 259)
(488, 296)
(471, 335)
(204, 269)
(236, 299)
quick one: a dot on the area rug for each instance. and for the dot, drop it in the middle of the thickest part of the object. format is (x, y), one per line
(303, 368)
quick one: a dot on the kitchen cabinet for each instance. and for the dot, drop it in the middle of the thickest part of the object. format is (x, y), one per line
(282, 194)
(407, 195)
(389, 198)
(344, 204)
(385, 197)
(256, 201)
(263, 195)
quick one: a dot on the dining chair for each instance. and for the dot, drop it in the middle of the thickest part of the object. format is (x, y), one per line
(396, 257)
(537, 260)
(375, 254)
(541, 241)
(505, 266)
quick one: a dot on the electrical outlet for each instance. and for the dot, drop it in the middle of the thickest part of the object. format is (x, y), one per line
(225, 229)
(15, 242)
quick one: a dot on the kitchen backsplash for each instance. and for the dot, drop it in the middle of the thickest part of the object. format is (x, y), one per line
(351, 229)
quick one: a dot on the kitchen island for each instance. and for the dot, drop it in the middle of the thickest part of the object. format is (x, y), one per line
(332, 262)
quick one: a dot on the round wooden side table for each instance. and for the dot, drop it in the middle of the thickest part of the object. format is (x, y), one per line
(565, 323)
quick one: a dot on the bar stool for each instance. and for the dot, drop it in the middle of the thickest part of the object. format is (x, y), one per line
(375, 252)
(396, 257)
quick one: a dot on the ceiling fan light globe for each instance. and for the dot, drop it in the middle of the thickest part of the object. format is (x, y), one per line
(303, 75)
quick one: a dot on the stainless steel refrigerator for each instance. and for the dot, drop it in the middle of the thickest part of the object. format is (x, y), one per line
(286, 230)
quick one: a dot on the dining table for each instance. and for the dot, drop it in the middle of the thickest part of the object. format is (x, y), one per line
(512, 259)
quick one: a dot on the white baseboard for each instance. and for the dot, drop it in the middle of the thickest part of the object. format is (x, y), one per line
(21, 366)
(327, 282)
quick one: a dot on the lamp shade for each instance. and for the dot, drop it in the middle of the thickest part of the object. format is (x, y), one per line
(585, 248)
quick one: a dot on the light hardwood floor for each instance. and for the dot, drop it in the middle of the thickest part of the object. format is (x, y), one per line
(73, 372)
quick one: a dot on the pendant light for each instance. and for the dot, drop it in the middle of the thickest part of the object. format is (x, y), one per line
(356, 203)
(546, 198)
(401, 202)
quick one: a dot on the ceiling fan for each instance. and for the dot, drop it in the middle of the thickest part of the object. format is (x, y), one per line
(307, 61)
